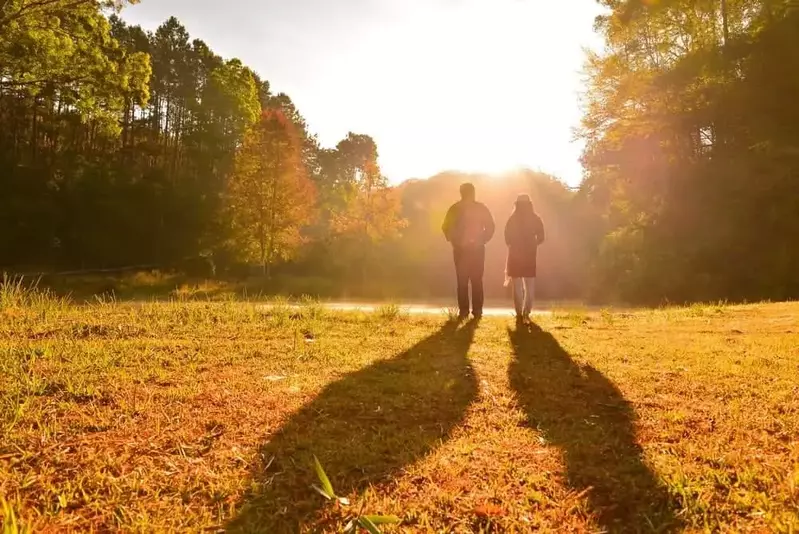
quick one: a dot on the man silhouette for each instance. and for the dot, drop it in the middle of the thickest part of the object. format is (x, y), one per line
(469, 226)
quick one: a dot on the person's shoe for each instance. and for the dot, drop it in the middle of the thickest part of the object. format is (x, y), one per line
(477, 315)
(463, 316)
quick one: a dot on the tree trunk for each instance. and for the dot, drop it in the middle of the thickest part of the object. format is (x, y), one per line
(262, 244)
(34, 129)
(126, 123)
(57, 131)
(272, 210)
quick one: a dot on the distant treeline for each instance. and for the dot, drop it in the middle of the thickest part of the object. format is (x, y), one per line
(124, 147)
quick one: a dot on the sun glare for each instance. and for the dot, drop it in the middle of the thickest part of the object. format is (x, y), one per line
(480, 87)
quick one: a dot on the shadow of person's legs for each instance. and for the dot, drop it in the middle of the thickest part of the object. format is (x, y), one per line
(363, 428)
(580, 411)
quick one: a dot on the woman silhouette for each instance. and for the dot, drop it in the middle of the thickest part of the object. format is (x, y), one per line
(523, 233)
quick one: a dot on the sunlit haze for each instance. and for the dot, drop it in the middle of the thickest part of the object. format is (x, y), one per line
(469, 85)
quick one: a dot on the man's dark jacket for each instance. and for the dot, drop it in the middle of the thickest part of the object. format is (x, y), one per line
(468, 224)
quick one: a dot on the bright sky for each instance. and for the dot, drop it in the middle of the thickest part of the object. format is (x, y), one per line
(469, 85)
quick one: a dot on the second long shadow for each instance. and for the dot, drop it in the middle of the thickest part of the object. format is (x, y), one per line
(363, 428)
(580, 411)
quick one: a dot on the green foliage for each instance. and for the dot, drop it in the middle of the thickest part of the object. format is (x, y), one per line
(64, 50)
(691, 160)
(326, 489)
(366, 522)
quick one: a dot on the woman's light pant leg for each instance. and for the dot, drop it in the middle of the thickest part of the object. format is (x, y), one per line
(523, 295)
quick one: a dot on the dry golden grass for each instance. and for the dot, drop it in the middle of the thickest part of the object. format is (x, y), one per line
(191, 416)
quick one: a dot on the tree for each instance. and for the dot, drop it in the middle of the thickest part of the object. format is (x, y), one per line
(689, 126)
(102, 123)
(373, 211)
(64, 80)
(269, 196)
(17, 11)
(370, 208)
(364, 210)
(64, 49)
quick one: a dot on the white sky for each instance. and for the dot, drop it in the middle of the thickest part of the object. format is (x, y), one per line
(470, 85)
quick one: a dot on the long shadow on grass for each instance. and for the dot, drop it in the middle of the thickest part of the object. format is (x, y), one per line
(363, 428)
(580, 411)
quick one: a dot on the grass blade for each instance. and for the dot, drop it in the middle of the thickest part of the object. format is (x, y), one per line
(323, 493)
(383, 519)
(327, 487)
(368, 524)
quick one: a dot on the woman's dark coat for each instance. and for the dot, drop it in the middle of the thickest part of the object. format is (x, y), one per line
(523, 233)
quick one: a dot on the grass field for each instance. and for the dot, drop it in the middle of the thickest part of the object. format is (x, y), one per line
(198, 416)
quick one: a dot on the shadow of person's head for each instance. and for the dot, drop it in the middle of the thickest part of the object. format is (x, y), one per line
(580, 411)
(363, 428)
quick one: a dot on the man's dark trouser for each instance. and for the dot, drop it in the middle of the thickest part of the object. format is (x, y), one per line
(469, 267)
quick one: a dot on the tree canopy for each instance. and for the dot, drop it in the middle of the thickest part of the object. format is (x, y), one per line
(692, 165)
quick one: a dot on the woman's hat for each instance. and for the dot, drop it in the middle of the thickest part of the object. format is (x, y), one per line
(523, 199)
